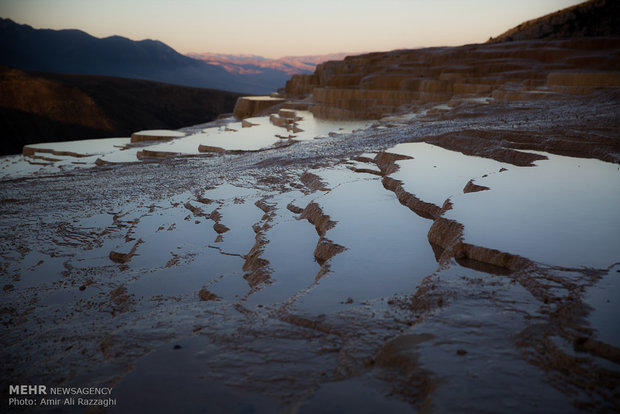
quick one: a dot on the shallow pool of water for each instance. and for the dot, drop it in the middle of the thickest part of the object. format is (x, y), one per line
(604, 298)
(387, 251)
(564, 211)
(435, 174)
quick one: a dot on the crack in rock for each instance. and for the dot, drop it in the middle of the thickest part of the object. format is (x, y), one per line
(325, 248)
(257, 268)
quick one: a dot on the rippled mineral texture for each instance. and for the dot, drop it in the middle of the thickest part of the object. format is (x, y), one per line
(459, 254)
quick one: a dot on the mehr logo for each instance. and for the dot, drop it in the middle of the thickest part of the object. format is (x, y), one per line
(27, 389)
(26, 395)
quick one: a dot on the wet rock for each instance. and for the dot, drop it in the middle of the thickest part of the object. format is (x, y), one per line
(294, 209)
(491, 144)
(326, 249)
(173, 261)
(247, 124)
(220, 228)
(363, 159)
(155, 135)
(313, 182)
(146, 155)
(597, 348)
(314, 324)
(122, 258)
(258, 276)
(249, 106)
(421, 208)
(256, 268)
(490, 256)
(281, 121)
(215, 215)
(314, 214)
(366, 171)
(470, 187)
(119, 257)
(386, 161)
(30, 151)
(209, 148)
(447, 235)
(86, 284)
(120, 300)
(264, 206)
(205, 295)
(195, 210)
(99, 162)
(288, 114)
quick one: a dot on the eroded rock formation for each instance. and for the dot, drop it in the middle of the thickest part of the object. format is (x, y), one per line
(375, 84)
(249, 106)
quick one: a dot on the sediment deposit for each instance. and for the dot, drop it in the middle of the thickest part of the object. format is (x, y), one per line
(457, 255)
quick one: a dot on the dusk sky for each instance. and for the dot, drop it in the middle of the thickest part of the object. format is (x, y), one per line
(276, 28)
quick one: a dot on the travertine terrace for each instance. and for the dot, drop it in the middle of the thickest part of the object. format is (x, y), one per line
(459, 253)
(375, 84)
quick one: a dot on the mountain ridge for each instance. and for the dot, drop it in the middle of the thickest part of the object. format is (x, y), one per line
(77, 52)
(245, 63)
(591, 18)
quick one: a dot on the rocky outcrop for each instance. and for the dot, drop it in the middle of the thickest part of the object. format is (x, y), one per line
(325, 248)
(256, 268)
(300, 85)
(248, 106)
(581, 82)
(471, 187)
(149, 155)
(286, 118)
(30, 151)
(446, 237)
(421, 208)
(591, 18)
(376, 84)
(205, 295)
(386, 161)
(313, 182)
(123, 258)
(156, 135)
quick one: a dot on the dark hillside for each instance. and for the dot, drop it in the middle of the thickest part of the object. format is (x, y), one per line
(43, 107)
(77, 52)
(592, 18)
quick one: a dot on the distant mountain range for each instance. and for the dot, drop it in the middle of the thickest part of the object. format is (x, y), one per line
(77, 52)
(253, 64)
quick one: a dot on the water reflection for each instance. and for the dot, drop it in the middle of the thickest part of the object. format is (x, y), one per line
(564, 211)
